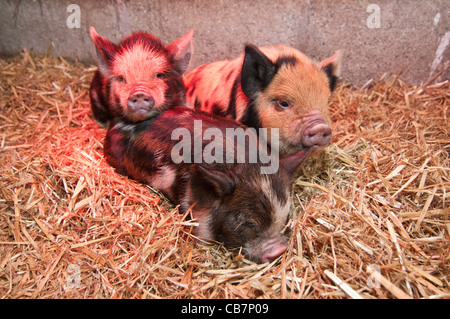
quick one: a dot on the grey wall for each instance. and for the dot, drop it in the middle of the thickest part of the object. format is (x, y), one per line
(413, 36)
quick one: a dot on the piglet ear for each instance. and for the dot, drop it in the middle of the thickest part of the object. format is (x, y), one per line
(181, 51)
(292, 162)
(257, 71)
(332, 68)
(211, 184)
(105, 51)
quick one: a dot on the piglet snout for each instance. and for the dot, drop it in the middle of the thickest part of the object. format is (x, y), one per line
(140, 102)
(273, 249)
(315, 132)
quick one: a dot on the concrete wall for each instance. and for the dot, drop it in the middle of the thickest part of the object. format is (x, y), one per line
(410, 36)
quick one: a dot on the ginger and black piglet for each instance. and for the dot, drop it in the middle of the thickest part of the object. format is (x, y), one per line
(270, 87)
(233, 201)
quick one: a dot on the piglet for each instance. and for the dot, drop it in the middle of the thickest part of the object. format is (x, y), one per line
(139, 77)
(194, 159)
(273, 86)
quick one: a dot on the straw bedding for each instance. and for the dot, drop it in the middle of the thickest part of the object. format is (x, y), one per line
(370, 215)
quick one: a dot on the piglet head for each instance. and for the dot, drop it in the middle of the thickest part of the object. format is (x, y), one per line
(291, 93)
(243, 211)
(143, 74)
(243, 208)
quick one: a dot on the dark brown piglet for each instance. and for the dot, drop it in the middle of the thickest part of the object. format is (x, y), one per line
(188, 156)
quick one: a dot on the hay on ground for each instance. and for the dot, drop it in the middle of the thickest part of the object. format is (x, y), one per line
(370, 214)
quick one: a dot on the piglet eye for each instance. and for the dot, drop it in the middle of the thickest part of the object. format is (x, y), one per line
(250, 225)
(120, 79)
(282, 104)
(161, 75)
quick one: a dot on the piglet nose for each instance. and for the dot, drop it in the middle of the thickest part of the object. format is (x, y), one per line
(273, 249)
(140, 102)
(317, 133)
